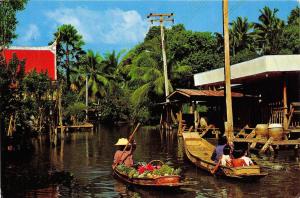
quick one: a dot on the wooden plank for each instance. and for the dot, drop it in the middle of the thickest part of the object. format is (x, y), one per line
(206, 130)
(290, 116)
(271, 148)
(77, 126)
(251, 135)
(263, 141)
(241, 132)
(267, 145)
(253, 145)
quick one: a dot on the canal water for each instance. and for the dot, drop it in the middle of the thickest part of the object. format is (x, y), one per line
(88, 156)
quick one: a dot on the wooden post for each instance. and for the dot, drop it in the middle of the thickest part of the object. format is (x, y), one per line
(285, 107)
(229, 133)
(86, 97)
(266, 145)
(192, 107)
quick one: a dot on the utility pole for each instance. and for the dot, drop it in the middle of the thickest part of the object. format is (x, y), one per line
(229, 123)
(161, 18)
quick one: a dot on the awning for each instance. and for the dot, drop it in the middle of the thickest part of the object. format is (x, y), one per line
(262, 67)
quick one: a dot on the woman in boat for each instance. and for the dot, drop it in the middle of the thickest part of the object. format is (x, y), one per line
(122, 156)
(238, 161)
(218, 152)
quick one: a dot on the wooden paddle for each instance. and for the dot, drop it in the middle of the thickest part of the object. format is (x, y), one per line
(130, 138)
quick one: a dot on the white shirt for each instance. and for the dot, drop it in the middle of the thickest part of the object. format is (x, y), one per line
(247, 160)
(224, 159)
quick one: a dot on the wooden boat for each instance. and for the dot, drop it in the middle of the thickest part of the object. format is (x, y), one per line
(172, 181)
(199, 152)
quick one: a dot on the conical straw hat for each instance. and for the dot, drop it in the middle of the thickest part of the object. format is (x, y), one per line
(122, 142)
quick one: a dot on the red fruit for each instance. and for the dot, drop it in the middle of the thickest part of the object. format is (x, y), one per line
(141, 169)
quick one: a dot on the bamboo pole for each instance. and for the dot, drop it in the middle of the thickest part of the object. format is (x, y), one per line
(229, 122)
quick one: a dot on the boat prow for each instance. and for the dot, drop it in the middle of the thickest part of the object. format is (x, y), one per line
(199, 152)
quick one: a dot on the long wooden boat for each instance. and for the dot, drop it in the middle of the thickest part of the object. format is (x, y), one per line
(199, 152)
(172, 181)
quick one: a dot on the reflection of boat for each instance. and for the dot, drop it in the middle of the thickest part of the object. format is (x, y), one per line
(199, 151)
(172, 181)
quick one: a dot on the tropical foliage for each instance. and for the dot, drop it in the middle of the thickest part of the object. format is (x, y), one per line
(129, 85)
(69, 43)
(8, 20)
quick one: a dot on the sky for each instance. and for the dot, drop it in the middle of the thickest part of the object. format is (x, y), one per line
(117, 25)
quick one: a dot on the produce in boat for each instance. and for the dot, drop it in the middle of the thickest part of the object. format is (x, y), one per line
(148, 171)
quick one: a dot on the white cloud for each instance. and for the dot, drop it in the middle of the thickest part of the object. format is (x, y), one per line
(113, 26)
(32, 33)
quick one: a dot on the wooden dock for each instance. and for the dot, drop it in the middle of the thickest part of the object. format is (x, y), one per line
(86, 126)
(263, 141)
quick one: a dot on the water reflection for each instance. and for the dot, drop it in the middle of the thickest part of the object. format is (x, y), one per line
(88, 155)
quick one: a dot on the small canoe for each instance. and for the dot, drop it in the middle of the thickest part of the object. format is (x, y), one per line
(172, 181)
(199, 152)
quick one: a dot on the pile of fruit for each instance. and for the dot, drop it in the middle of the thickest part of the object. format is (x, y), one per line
(148, 171)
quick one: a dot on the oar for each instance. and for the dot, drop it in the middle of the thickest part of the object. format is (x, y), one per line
(130, 138)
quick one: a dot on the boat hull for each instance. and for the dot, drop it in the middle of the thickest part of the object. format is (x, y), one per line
(198, 151)
(158, 182)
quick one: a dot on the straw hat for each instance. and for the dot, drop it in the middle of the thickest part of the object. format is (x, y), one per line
(122, 142)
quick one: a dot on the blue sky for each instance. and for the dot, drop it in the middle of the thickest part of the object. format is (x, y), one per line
(108, 25)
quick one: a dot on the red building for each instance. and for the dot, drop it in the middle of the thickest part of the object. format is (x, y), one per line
(43, 59)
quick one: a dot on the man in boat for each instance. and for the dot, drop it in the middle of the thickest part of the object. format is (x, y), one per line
(218, 152)
(225, 159)
(124, 156)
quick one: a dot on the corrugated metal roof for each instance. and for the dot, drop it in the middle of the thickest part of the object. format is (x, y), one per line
(200, 93)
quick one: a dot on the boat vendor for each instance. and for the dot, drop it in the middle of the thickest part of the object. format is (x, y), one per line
(122, 156)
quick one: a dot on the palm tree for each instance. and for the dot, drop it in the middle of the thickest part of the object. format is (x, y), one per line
(98, 77)
(240, 35)
(147, 77)
(294, 17)
(68, 48)
(268, 32)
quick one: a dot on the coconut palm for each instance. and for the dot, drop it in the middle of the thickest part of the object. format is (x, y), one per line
(294, 17)
(69, 43)
(268, 31)
(98, 77)
(240, 35)
(147, 77)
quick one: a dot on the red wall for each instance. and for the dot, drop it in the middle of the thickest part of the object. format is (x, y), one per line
(41, 60)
